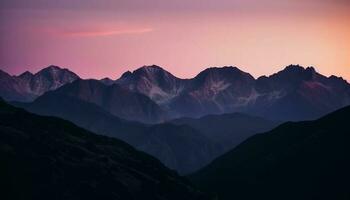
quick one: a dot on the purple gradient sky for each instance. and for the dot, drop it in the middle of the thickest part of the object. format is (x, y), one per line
(104, 38)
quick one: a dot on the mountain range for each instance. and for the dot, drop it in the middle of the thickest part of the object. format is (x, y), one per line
(297, 160)
(50, 158)
(128, 107)
(224, 127)
(150, 94)
(27, 86)
(295, 93)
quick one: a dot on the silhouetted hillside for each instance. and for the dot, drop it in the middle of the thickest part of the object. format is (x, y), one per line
(302, 160)
(49, 158)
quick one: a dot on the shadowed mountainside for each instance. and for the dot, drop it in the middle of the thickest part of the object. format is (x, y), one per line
(167, 142)
(297, 160)
(49, 158)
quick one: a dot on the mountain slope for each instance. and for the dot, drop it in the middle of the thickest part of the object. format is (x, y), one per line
(298, 93)
(49, 158)
(166, 142)
(214, 91)
(86, 115)
(180, 146)
(10, 88)
(154, 82)
(47, 79)
(28, 86)
(114, 99)
(300, 160)
(228, 129)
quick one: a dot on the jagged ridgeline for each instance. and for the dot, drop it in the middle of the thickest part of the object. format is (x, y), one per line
(150, 94)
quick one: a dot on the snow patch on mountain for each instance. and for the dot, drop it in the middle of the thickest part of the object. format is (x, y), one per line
(251, 99)
(218, 86)
(28, 86)
(162, 97)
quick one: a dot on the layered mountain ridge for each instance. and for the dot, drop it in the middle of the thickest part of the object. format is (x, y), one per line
(295, 93)
(186, 124)
(167, 142)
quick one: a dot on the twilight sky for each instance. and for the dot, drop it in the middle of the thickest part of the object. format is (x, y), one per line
(104, 38)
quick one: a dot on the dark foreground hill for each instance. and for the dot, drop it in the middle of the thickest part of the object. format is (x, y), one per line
(302, 160)
(49, 158)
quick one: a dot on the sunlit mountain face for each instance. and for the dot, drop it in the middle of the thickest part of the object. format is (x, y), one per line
(168, 100)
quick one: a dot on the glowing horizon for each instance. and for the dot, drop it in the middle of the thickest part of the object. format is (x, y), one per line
(105, 38)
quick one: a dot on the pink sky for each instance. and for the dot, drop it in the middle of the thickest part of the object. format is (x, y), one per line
(104, 38)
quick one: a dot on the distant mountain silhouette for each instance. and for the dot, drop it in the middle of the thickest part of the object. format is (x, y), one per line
(28, 86)
(49, 158)
(155, 95)
(298, 93)
(297, 160)
(179, 147)
(295, 93)
(228, 130)
(107, 81)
